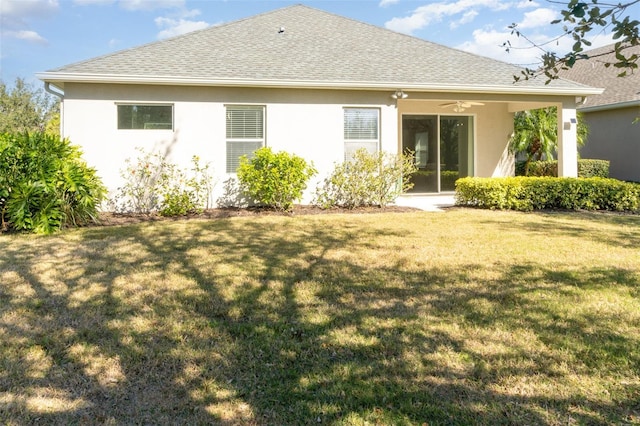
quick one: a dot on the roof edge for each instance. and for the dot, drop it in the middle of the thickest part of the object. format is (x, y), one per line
(58, 77)
(618, 105)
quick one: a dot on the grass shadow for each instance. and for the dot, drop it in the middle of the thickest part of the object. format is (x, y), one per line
(291, 321)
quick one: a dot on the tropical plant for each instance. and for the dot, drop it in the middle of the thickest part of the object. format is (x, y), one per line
(274, 180)
(536, 134)
(44, 184)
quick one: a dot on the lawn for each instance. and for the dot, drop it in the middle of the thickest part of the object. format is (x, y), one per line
(462, 317)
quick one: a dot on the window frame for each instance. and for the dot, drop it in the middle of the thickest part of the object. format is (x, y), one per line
(348, 152)
(229, 167)
(146, 104)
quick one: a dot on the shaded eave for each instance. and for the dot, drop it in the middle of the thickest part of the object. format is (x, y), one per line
(58, 79)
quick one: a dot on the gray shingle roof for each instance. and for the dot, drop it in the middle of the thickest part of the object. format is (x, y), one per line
(315, 46)
(592, 72)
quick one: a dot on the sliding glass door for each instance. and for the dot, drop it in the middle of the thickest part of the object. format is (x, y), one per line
(443, 147)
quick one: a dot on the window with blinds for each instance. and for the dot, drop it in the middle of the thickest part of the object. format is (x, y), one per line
(361, 130)
(245, 133)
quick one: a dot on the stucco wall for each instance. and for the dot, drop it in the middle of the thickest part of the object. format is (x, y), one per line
(614, 137)
(305, 122)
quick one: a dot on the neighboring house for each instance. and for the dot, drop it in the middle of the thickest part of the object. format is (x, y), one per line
(613, 134)
(311, 83)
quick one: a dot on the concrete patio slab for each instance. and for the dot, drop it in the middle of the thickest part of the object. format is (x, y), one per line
(432, 203)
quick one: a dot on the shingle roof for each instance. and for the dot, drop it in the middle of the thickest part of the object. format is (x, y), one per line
(592, 72)
(315, 46)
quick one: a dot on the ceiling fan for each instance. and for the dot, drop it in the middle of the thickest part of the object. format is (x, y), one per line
(459, 106)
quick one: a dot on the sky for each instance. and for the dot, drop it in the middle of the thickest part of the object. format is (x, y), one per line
(39, 35)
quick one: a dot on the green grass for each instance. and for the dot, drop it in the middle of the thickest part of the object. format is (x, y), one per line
(463, 317)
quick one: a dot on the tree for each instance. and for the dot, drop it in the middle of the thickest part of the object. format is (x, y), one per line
(580, 18)
(24, 109)
(536, 134)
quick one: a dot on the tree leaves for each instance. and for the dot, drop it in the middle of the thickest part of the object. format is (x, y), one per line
(24, 109)
(580, 20)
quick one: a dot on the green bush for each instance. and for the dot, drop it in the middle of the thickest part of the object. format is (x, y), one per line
(44, 184)
(185, 193)
(593, 168)
(586, 168)
(274, 180)
(529, 193)
(153, 184)
(367, 180)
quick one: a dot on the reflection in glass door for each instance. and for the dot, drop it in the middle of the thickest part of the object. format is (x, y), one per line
(443, 147)
(456, 150)
(420, 135)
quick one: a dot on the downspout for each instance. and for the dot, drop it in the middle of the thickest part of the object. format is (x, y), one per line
(48, 89)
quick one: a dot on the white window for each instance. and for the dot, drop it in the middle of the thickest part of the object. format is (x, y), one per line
(361, 130)
(245, 133)
(146, 117)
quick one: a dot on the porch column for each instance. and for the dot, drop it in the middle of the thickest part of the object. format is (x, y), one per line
(567, 140)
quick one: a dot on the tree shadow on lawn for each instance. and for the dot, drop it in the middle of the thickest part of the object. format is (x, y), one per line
(227, 323)
(568, 223)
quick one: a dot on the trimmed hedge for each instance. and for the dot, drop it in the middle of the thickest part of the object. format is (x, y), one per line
(536, 193)
(587, 168)
(593, 168)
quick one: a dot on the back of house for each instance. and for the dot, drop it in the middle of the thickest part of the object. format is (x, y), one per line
(307, 82)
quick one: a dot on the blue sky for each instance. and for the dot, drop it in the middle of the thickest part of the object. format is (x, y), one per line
(38, 35)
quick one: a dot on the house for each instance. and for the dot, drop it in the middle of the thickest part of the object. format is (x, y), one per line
(311, 83)
(613, 117)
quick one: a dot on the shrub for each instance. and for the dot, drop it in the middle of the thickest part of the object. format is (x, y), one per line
(153, 184)
(593, 168)
(274, 180)
(184, 193)
(367, 180)
(44, 184)
(140, 192)
(586, 168)
(529, 193)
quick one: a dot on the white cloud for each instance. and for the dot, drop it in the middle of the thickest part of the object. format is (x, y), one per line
(21, 9)
(385, 3)
(133, 5)
(176, 23)
(436, 12)
(151, 4)
(525, 4)
(174, 27)
(92, 2)
(466, 18)
(538, 18)
(27, 35)
(490, 42)
(15, 16)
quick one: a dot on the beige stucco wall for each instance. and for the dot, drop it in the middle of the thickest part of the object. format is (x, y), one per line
(308, 123)
(614, 136)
